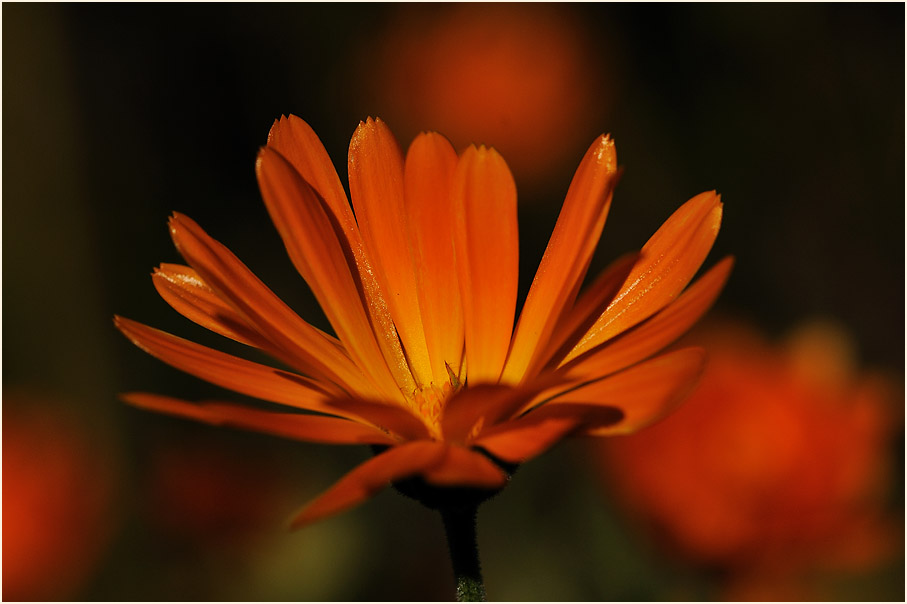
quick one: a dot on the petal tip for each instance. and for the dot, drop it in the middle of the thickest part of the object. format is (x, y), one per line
(177, 220)
(604, 141)
(483, 154)
(603, 152)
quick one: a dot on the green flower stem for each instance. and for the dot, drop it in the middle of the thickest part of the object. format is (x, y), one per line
(460, 526)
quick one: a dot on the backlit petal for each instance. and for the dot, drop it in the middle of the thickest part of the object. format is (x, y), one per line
(478, 407)
(393, 418)
(295, 140)
(183, 288)
(369, 478)
(487, 254)
(645, 393)
(318, 255)
(522, 439)
(464, 468)
(376, 188)
(566, 258)
(427, 178)
(658, 331)
(297, 143)
(224, 370)
(313, 352)
(295, 426)
(667, 263)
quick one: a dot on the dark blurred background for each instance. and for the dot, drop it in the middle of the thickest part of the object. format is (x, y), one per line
(116, 115)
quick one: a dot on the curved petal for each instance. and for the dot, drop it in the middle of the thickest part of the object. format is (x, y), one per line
(478, 407)
(566, 258)
(668, 262)
(427, 177)
(239, 375)
(295, 140)
(467, 410)
(314, 352)
(376, 188)
(295, 426)
(464, 468)
(645, 392)
(318, 255)
(656, 332)
(369, 478)
(522, 439)
(392, 417)
(183, 288)
(487, 253)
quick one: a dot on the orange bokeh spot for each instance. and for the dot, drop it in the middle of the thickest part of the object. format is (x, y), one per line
(780, 459)
(525, 79)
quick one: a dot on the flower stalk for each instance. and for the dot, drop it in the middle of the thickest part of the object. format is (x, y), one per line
(430, 364)
(460, 527)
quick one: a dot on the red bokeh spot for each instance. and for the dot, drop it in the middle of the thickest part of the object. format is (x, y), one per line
(57, 508)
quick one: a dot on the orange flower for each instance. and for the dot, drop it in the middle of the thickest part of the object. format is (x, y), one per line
(777, 463)
(420, 286)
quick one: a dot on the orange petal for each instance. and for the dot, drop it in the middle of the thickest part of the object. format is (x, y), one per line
(369, 478)
(645, 392)
(522, 439)
(313, 352)
(387, 416)
(224, 370)
(566, 258)
(427, 178)
(478, 407)
(588, 308)
(189, 295)
(668, 261)
(376, 188)
(297, 143)
(656, 332)
(464, 468)
(295, 426)
(318, 255)
(487, 251)
(295, 140)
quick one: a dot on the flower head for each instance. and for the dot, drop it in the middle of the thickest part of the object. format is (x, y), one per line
(419, 282)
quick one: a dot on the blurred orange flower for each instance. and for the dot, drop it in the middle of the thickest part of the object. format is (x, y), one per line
(57, 500)
(420, 286)
(523, 78)
(777, 463)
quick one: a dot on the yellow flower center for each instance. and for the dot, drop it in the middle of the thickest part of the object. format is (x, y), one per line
(428, 402)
